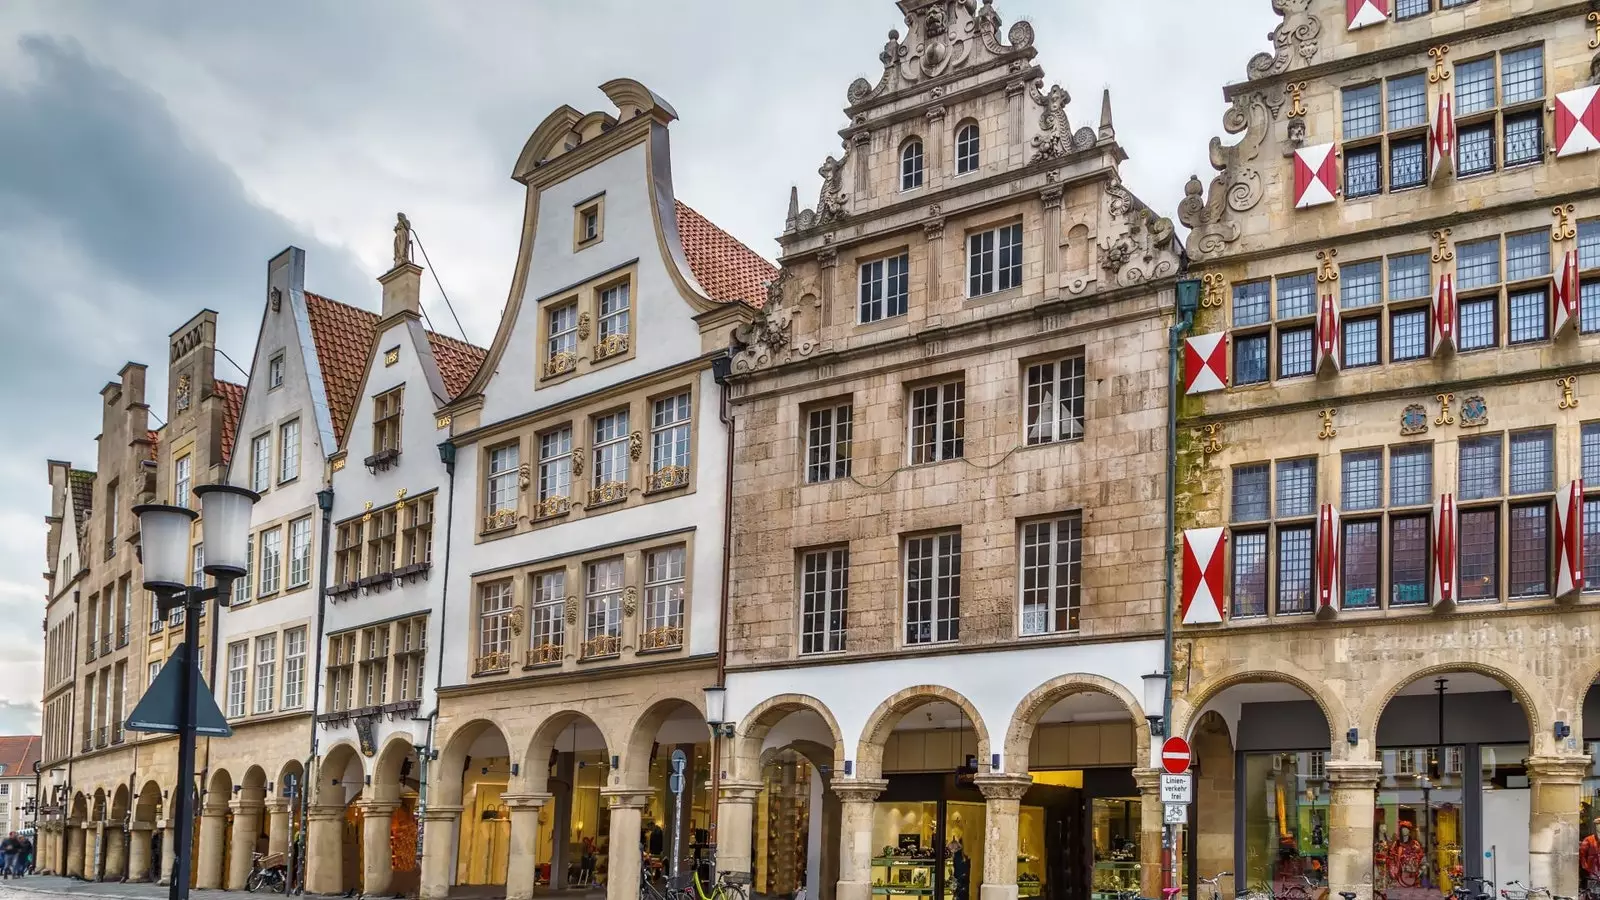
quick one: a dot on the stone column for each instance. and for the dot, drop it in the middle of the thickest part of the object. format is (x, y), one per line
(95, 855)
(1150, 827)
(736, 810)
(169, 852)
(523, 852)
(139, 851)
(1002, 801)
(325, 850)
(856, 797)
(114, 856)
(439, 825)
(1553, 826)
(622, 852)
(1352, 798)
(213, 831)
(246, 827)
(74, 839)
(377, 866)
(278, 826)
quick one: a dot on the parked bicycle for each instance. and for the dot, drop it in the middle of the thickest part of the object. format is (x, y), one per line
(269, 871)
(725, 888)
(658, 886)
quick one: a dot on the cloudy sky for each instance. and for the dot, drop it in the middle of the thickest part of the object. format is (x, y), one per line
(154, 156)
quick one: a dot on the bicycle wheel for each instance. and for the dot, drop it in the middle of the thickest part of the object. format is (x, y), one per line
(254, 881)
(727, 890)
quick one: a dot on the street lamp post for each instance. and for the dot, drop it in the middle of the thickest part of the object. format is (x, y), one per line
(164, 548)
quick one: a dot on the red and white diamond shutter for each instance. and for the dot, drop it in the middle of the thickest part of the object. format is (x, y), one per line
(1578, 121)
(1569, 538)
(1327, 559)
(1316, 176)
(1361, 13)
(1201, 603)
(1328, 335)
(1444, 315)
(1205, 363)
(1444, 550)
(1442, 138)
(1566, 292)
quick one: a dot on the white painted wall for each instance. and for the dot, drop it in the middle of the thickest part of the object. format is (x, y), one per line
(994, 682)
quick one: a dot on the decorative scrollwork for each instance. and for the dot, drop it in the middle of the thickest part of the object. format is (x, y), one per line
(1442, 251)
(666, 478)
(635, 446)
(1569, 400)
(1328, 430)
(613, 344)
(583, 326)
(544, 654)
(602, 645)
(769, 338)
(552, 506)
(560, 363)
(1054, 139)
(499, 519)
(1295, 39)
(1325, 270)
(1439, 72)
(498, 661)
(1564, 230)
(1238, 186)
(1474, 412)
(1297, 92)
(664, 637)
(630, 601)
(1212, 295)
(1445, 417)
(1211, 438)
(608, 492)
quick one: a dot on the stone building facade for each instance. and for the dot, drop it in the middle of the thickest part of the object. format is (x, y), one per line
(1386, 644)
(949, 426)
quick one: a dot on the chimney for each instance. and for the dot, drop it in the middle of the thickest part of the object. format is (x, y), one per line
(402, 285)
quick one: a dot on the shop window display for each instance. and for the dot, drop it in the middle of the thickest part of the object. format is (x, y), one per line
(1418, 827)
(1589, 826)
(1285, 823)
(1116, 847)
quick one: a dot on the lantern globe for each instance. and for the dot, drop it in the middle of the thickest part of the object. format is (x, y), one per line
(164, 545)
(225, 526)
(716, 705)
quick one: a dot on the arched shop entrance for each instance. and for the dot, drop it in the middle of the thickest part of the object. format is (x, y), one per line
(116, 838)
(1453, 793)
(665, 729)
(144, 854)
(569, 760)
(484, 836)
(333, 864)
(390, 824)
(790, 748)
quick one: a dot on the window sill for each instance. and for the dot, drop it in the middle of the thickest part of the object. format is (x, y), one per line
(933, 463)
(288, 481)
(925, 644)
(1034, 636)
(603, 657)
(992, 296)
(1052, 443)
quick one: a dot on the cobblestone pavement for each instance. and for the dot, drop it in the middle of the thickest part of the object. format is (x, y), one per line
(34, 886)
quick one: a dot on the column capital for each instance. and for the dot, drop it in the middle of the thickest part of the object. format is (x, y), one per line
(242, 806)
(740, 791)
(627, 798)
(526, 801)
(280, 806)
(1003, 787)
(1149, 780)
(141, 826)
(324, 813)
(1354, 774)
(859, 790)
(1558, 769)
(214, 809)
(441, 812)
(378, 807)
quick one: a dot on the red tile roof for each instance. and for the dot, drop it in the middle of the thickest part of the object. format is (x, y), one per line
(343, 336)
(18, 753)
(724, 266)
(232, 404)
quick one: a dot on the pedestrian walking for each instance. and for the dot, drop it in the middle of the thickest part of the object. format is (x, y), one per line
(10, 849)
(26, 867)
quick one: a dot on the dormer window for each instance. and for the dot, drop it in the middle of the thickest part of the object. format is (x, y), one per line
(911, 166)
(967, 149)
(386, 421)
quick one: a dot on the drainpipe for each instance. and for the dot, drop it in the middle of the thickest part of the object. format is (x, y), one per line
(1187, 294)
(296, 874)
(721, 367)
(447, 455)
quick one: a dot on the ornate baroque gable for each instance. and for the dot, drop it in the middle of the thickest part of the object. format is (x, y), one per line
(1140, 246)
(1208, 212)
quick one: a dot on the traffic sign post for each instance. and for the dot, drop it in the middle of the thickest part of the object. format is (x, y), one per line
(1175, 756)
(1177, 792)
(1176, 814)
(1177, 789)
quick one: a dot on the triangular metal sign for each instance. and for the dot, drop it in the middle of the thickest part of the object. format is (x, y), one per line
(158, 710)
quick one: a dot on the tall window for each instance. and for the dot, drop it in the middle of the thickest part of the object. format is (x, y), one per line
(501, 491)
(1589, 283)
(828, 443)
(347, 555)
(127, 612)
(911, 166)
(1523, 281)
(549, 611)
(417, 534)
(266, 672)
(241, 586)
(663, 599)
(824, 600)
(409, 655)
(198, 576)
(289, 451)
(1361, 297)
(602, 608)
(555, 470)
(967, 149)
(261, 462)
(1385, 120)
(300, 552)
(1514, 112)
(238, 675)
(1055, 400)
(611, 452)
(341, 672)
(561, 345)
(938, 422)
(1590, 449)
(494, 627)
(386, 420)
(180, 482)
(271, 561)
(994, 260)
(294, 667)
(275, 371)
(613, 321)
(1273, 534)
(885, 288)
(933, 588)
(1051, 579)
(1526, 513)
(669, 442)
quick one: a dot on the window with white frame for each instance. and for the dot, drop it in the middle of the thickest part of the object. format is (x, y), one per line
(549, 611)
(261, 462)
(911, 165)
(561, 341)
(933, 588)
(180, 481)
(500, 493)
(197, 556)
(669, 442)
(967, 149)
(151, 671)
(300, 552)
(241, 585)
(494, 626)
(1054, 400)
(238, 677)
(824, 599)
(614, 317)
(271, 561)
(294, 667)
(938, 422)
(611, 449)
(1051, 579)
(828, 443)
(994, 260)
(663, 599)
(602, 608)
(289, 451)
(266, 672)
(555, 469)
(275, 371)
(885, 288)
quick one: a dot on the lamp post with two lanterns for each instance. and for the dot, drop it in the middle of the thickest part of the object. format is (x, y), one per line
(164, 533)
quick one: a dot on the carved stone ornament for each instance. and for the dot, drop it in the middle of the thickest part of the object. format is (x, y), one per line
(185, 391)
(630, 601)
(583, 326)
(1144, 250)
(572, 611)
(1054, 139)
(1414, 420)
(515, 619)
(768, 339)
(402, 240)
(524, 476)
(577, 460)
(832, 197)
(1474, 412)
(1238, 187)
(1294, 40)
(635, 446)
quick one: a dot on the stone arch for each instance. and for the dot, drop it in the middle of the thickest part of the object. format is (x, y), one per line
(219, 788)
(1587, 678)
(80, 808)
(390, 763)
(1521, 684)
(759, 722)
(955, 143)
(453, 761)
(119, 803)
(818, 755)
(99, 805)
(147, 808)
(536, 773)
(882, 721)
(642, 735)
(1078, 250)
(293, 773)
(330, 789)
(1039, 701)
(1187, 712)
(253, 789)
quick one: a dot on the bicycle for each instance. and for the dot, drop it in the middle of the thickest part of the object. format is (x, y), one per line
(267, 871)
(667, 891)
(724, 889)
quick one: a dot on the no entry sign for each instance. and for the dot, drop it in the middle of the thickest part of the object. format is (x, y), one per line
(1175, 755)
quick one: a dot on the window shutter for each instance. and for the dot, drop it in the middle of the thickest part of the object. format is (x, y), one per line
(1361, 13)
(1444, 315)
(1444, 552)
(1566, 292)
(1316, 176)
(1205, 363)
(1578, 121)
(1442, 138)
(1569, 538)
(1327, 561)
(1328, 336)
(1201, 603)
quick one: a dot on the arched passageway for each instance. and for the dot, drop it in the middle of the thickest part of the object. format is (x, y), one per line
(785, 759)
(333, 856)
